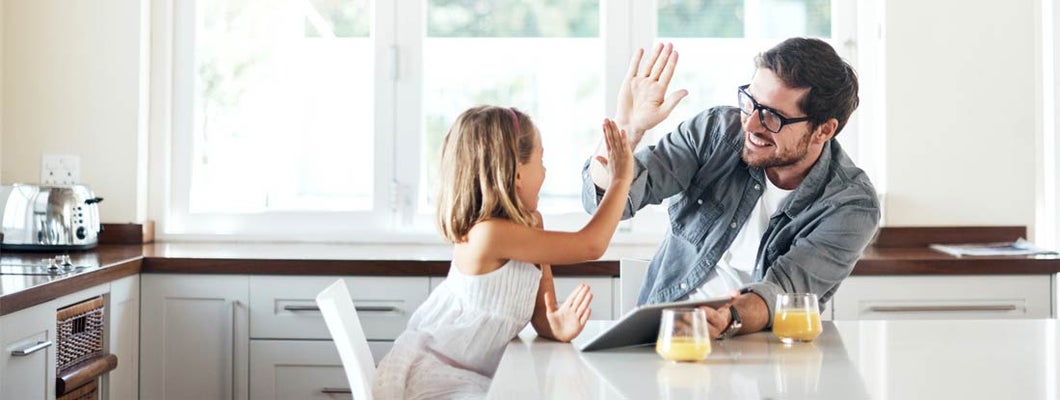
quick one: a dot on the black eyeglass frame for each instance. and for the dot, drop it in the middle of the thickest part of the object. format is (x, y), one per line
(742, 91)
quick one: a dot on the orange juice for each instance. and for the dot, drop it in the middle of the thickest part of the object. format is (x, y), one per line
(683, 348)
(796, 325)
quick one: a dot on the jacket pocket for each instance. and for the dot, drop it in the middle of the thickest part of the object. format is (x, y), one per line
(691, 219)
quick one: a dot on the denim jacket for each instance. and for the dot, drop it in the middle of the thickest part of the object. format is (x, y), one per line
(812, 240)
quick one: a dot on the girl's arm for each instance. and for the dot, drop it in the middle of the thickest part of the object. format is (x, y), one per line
(560, 323)
(504, 240)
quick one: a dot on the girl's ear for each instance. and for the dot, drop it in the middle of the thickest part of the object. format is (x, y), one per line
(518, 180)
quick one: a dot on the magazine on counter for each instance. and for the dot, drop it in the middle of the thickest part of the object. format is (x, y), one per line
(1020, 247)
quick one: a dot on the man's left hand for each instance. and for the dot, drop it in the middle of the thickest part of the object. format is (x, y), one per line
(717, 320)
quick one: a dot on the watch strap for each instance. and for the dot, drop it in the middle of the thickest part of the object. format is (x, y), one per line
(734, 324)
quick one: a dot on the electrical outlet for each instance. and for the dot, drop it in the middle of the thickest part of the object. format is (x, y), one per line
(60, 169)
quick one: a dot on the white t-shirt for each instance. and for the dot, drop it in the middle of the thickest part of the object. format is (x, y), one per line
(735, 267)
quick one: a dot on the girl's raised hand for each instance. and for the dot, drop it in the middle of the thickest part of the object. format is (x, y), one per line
(619, 161)
(568, 320)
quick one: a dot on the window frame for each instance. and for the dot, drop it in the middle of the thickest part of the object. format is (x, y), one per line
(398, 30)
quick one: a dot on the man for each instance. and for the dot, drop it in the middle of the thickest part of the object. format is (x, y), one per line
(764, 201)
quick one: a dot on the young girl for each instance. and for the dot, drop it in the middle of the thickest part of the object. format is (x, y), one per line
(491, 173)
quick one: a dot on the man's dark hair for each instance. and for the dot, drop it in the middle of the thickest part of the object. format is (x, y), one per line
(814, 64)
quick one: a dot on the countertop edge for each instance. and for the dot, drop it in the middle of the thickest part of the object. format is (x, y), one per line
(874, 262)
(23, 299)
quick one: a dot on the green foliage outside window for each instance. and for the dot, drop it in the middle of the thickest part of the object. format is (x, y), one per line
(344, 18)
(726, 18)
(701, 18)
(513, 18)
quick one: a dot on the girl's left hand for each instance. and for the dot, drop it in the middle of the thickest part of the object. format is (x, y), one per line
(568, 320)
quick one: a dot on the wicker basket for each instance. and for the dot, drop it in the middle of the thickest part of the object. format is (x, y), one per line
(88, 391)
(79, 333)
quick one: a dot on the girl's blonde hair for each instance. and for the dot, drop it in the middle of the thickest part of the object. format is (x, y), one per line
(479, 159)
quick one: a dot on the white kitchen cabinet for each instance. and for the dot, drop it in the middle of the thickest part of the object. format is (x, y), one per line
(603, 299)
(284, 307)
(1056, 296)
(296, 369)
(194, 338)
(27, 364)
(601, 287)
(123, 317)
(944, 297)
(28, 337)
(291, 350)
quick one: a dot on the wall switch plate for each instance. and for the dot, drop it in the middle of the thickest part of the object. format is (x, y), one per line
(60, 169)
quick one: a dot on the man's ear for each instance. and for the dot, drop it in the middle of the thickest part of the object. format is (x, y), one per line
(825, 131)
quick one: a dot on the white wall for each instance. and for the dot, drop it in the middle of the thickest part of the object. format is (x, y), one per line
(961, 112)
(73, 75)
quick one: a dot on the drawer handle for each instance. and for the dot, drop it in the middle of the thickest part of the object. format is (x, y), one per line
(376, 308)
(32, 349)
(886, 309)
(297, 308)
(300, 308)
(336, 391)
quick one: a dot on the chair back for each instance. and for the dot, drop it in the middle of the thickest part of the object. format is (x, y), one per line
(341, 317)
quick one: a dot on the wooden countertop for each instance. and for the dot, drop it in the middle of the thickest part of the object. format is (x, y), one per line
(897, 251)
(107, 263)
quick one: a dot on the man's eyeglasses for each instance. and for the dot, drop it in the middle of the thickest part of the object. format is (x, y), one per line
(768, 117)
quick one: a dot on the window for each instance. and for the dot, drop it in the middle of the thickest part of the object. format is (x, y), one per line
(545, 58)
(718, 41)
(322, 119)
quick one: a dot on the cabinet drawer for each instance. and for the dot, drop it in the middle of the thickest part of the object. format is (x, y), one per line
(944, 297)
(601, 287)
(283, 307)
(300, 369)
(288, 369)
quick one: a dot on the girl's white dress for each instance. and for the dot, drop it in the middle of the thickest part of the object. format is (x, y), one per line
(455, 339)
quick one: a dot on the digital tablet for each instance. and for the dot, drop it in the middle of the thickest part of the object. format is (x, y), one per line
(641, 325)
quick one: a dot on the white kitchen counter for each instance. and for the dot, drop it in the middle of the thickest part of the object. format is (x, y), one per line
(971, 359)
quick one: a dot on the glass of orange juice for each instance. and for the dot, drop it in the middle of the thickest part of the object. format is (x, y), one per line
(797, 318)
(683, 335)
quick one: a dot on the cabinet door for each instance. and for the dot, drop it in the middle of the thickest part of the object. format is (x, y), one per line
(1056, 296)
(27, 364)
(944, 297)
(599, 286)
(193, 337)
(124, 321)
(296, 369)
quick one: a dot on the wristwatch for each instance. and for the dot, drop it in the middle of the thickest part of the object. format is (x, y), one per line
(734, 324)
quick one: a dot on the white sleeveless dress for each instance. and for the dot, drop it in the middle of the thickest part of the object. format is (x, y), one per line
(455, 339)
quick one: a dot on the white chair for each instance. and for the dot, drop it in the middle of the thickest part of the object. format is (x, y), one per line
(341, 317)
(631, 275)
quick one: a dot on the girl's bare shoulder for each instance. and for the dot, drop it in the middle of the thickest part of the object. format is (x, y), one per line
(489, 231)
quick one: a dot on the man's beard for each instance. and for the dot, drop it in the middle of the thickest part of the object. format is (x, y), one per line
(784, 159)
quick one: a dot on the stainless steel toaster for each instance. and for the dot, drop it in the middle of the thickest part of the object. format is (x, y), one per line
(48, 218)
